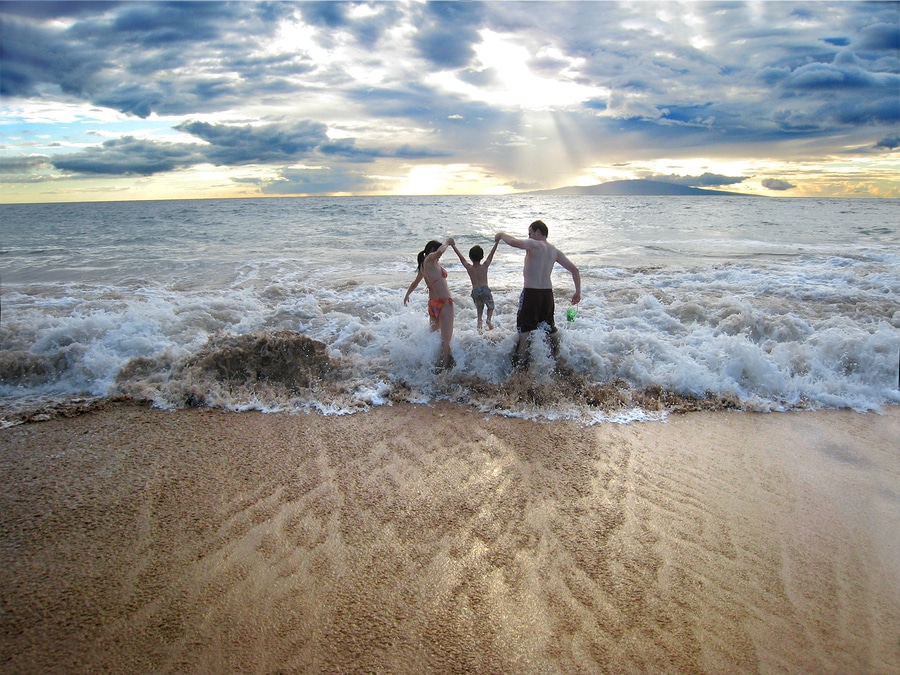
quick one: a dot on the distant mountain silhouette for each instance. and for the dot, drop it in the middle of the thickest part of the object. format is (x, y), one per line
(635, 187)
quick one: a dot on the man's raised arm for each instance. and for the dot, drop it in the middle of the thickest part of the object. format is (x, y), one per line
(511, 240)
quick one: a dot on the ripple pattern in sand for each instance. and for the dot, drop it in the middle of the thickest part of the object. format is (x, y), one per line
(434, 540)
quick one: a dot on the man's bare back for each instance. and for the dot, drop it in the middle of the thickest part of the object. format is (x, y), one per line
(540, 257)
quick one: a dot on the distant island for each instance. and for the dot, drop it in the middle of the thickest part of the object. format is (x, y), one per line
(635, 187)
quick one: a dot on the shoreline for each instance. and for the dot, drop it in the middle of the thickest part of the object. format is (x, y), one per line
(435, 538)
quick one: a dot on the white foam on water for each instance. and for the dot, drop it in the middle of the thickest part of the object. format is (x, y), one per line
(781, 324)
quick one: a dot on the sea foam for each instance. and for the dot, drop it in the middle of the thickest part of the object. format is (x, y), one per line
(672, 318)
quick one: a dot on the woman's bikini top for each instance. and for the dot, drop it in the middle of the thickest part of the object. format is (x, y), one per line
(443, 274)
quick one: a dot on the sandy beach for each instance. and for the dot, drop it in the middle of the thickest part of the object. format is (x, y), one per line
(436, 539)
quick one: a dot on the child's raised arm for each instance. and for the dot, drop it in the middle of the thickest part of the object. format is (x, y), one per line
(487, 261)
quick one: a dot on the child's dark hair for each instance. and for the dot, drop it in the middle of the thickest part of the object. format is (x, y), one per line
(430, 247)
(476, 253)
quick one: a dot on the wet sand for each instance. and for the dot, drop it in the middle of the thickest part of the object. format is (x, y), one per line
(416, 539)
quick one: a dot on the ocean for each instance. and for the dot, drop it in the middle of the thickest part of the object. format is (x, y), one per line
(758, 304)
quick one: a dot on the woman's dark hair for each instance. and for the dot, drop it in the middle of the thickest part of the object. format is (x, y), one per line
(430, 247)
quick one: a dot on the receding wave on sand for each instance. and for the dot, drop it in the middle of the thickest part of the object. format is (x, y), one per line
(289, 372)
(437, 539)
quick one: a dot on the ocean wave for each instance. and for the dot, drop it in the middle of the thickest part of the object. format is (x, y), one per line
(296, 305)
(599, 375)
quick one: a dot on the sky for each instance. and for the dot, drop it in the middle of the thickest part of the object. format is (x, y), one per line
(175, 100)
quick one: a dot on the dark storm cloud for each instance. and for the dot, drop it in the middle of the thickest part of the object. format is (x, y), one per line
(317, 181)
(337, 15)
(777, 184)
(225, 145)
(127, 56)
(55, 10)
(447, 32)
(326, 14)
(267, 144)
(828, 77)
(130, 156)
(286, 143)
(22, 164)
(32, 56)
(880, 37)
(162, 23)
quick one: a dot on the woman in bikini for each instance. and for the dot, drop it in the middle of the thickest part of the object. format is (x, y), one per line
(440, 304)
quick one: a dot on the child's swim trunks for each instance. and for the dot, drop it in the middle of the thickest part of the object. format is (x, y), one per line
(536, 306)
(435, 305)
(483, 297)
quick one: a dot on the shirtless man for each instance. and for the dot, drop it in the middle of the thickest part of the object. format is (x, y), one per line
(536, 304)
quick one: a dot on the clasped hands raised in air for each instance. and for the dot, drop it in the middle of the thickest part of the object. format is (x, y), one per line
(536, 304)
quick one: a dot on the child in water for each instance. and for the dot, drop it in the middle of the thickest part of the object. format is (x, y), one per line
(440, 303)
(478, 275)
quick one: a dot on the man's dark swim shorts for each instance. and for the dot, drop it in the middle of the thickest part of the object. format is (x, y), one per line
(536, 306)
